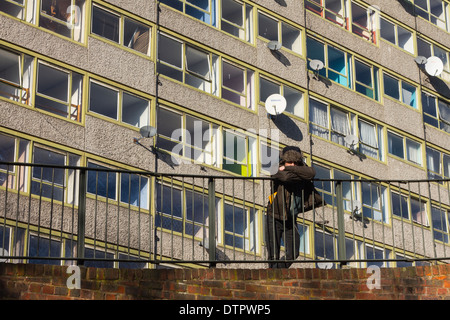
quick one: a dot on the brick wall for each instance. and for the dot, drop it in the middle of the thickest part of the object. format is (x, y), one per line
(45, 282)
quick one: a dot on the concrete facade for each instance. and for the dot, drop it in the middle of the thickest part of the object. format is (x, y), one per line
(111, 141)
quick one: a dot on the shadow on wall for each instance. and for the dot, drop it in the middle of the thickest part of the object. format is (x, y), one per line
(288, 127)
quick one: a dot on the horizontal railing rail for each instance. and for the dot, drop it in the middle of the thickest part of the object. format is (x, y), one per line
(107, 217)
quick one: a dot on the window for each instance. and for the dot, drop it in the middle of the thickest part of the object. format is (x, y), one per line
(101, 181)
(203, 10)
(13, 149)
(119, 105)
(409, 208)
(294, 97)
(20, 9)
(396, 35)
(98, 254)
(59, 91)
(121, 29)
(274, 30)
(63, 17)
(45, 248)
(5, 236)
(186, 64)
(363, 22)
(404, 148)
(240, 227)
(428, 49)
(16, 72)
(269, 155)
(324, 246)
(237, 19)
(187, 136)
(328, 188)
(374, 201)
(400, 90)
(370, 138)
(441, 222)
(329, 122)
(134, 190)
(238, 84)
(436, 112)
(183, 210)
(336, 62)
(53, 182)
(432, 10)
(438, 164)
(366, 79)
(239, 153)
(331, 10)
(204, 142)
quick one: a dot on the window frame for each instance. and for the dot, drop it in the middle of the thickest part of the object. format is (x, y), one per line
(68, 189)
(427, 14)
(396, 28)
(22, 89)
(280, 25)
(75, 82)
(435, 119)
(142, 39)
(405, 153)
(282, 90)
(70, 28)
(403, 200)
(121, 94)
(244, 31)
(205, 83)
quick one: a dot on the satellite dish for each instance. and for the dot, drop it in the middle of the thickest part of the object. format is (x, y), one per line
(421, 60)
(434, 66)
(274, 45)
(351, 140)
(275, 104)
(147, 131)
(356, 205)
(316, 65)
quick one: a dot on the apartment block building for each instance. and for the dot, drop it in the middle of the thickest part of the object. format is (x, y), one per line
(365, 87)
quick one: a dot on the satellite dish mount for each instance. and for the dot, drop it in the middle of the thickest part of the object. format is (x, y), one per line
(275, 105)
(274, 45)
(351, 142)
(316, 66)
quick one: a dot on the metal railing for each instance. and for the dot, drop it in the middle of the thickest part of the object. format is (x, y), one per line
(120, 218)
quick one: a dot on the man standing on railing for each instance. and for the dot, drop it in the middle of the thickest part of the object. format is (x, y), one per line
(292, 193)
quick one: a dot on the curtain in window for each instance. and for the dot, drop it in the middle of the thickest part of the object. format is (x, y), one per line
(368, 138)
(433, 160)
(318, 115)
(339, 126)
(413, 151)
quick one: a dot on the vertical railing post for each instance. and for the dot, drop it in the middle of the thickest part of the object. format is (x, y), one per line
(212, 222)
(341, 222)
(82, 189)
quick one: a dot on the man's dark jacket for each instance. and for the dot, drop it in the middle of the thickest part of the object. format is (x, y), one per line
(297, 180)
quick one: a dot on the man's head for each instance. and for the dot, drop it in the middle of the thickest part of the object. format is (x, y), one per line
(291, 155)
